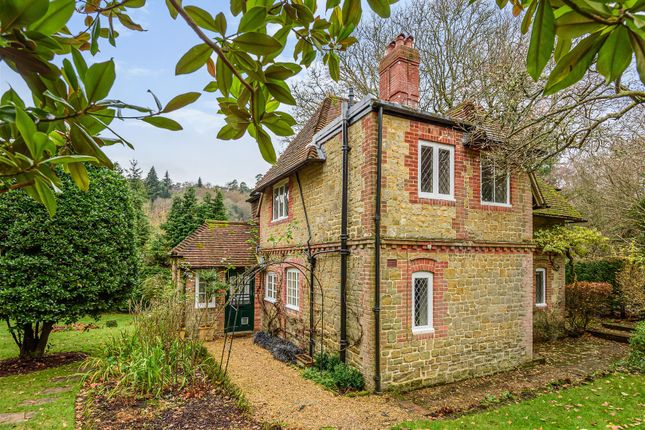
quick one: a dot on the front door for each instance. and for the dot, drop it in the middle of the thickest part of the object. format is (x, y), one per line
(239, 303)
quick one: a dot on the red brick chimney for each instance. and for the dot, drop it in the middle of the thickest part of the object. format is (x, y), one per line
(399, 72)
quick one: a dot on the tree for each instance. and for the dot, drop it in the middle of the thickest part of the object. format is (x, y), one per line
(83, 261)
(232, 185)
(153, 186)
(183, 218)
(166, 186)
(244, 188)
(133, 174)
(572, 242)
(213, 208)
(476, 53)
(70, 120)
(199, 183)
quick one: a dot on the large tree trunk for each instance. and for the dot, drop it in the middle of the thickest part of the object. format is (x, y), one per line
(34, 340)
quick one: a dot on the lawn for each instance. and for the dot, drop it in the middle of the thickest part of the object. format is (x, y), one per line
(616, 401)
(58, 386)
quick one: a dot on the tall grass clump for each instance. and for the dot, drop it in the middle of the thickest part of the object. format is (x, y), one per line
(333, 374)
(153, 358)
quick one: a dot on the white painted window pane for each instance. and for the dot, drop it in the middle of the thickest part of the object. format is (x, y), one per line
(421, 291)
(540, 285)
(292, 289)
(487, 182)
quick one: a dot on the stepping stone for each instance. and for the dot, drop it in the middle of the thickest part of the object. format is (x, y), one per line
(16, 417)
(35, 402)
(56, 390)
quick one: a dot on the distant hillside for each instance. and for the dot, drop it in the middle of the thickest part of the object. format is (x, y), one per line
(234, 199)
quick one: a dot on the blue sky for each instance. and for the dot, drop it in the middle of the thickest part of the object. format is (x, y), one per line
(147, 61)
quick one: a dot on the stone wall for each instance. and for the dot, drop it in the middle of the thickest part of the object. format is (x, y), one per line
(554, 266)
(482, 314)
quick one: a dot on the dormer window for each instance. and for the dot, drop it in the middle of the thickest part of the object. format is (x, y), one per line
(436, 171)
(281, 201)
(495, 184)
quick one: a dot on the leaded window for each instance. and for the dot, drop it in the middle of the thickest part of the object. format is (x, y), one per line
(422, 289)
(495, 183)
(436, 170)
(540, 287)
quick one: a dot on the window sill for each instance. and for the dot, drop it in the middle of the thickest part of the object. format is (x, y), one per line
(292, 308)
(422, 330)
(280, 220)
(210, 306)
(540, 305)
(269, 299)
(499, 205)
(428, 196)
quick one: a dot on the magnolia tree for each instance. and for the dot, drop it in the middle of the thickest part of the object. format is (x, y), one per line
(248, 59)
(83, 261)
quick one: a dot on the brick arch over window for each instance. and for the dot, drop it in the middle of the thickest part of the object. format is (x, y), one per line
(439, 288)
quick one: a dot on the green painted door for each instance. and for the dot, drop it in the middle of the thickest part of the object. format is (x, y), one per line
(239, 303)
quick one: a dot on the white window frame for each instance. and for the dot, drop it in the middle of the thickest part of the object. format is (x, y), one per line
(283, 189)
(543, 286)
(435, 171)
(289, 303)
(481, 186)
(429, 328)
(271, 295)
(198, 305)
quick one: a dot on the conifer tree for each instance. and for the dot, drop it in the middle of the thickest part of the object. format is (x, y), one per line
(166, 186)
(200, 183)
(153, 186)
(213, 208)
(183, 218)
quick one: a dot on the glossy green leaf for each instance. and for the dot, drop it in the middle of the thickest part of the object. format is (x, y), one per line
(252, 19)
(79, 62)
(381, 7)
(229, 132)
(64, 159)
(258, 43)
(528, 16)
(59, 12)
(21, 12)
(266, 146)
(79, 175)
(99, 80)
(202, 18)
(220, 23)
(330, 4)
(561, 48)
(281, 92)
(194, 59)
(27, 130)
(638, 45)
(163, 122)
(180, 101)
(572, 25)
(46, 194)
(171, 9)
(615, 54)
(334, 66)
(542, 40)
(224, 77)
(572, 67)
(352, 11)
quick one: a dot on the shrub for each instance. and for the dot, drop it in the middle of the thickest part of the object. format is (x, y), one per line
(331, 373)
(637, 348)
(601, 270)
(585, 300)
(111, 323)
(548, 325)
(631, 281)
(152, 359)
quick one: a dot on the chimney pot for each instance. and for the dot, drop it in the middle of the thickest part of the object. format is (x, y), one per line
(399, 72)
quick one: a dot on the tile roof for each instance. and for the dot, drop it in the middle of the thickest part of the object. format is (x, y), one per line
(298, 152)
(555, 204)
(217, 244)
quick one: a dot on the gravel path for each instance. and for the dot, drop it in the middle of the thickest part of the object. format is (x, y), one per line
(279, 394)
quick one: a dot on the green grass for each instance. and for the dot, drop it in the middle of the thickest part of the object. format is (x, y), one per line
(616, 400)
(58, 414)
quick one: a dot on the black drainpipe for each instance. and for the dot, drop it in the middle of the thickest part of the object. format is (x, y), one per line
(312, 269)
(344, 251)
(377, 257)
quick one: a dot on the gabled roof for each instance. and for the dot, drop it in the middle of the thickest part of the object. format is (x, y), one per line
(554, 205)
(217, 244)
(299, 152)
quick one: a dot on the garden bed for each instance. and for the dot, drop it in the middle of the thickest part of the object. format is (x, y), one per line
(567, 362)
(15, 366)
(196, 408)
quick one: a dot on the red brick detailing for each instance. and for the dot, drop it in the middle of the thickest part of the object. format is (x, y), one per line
(399, 72)
(439, 305)
(269, 206)
(391, 262)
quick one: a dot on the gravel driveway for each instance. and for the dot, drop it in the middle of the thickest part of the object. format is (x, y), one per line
(279, 394)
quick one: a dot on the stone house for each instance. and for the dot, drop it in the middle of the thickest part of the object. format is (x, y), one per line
(386, 235)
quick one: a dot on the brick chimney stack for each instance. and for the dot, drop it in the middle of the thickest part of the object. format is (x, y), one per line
(399, 72)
